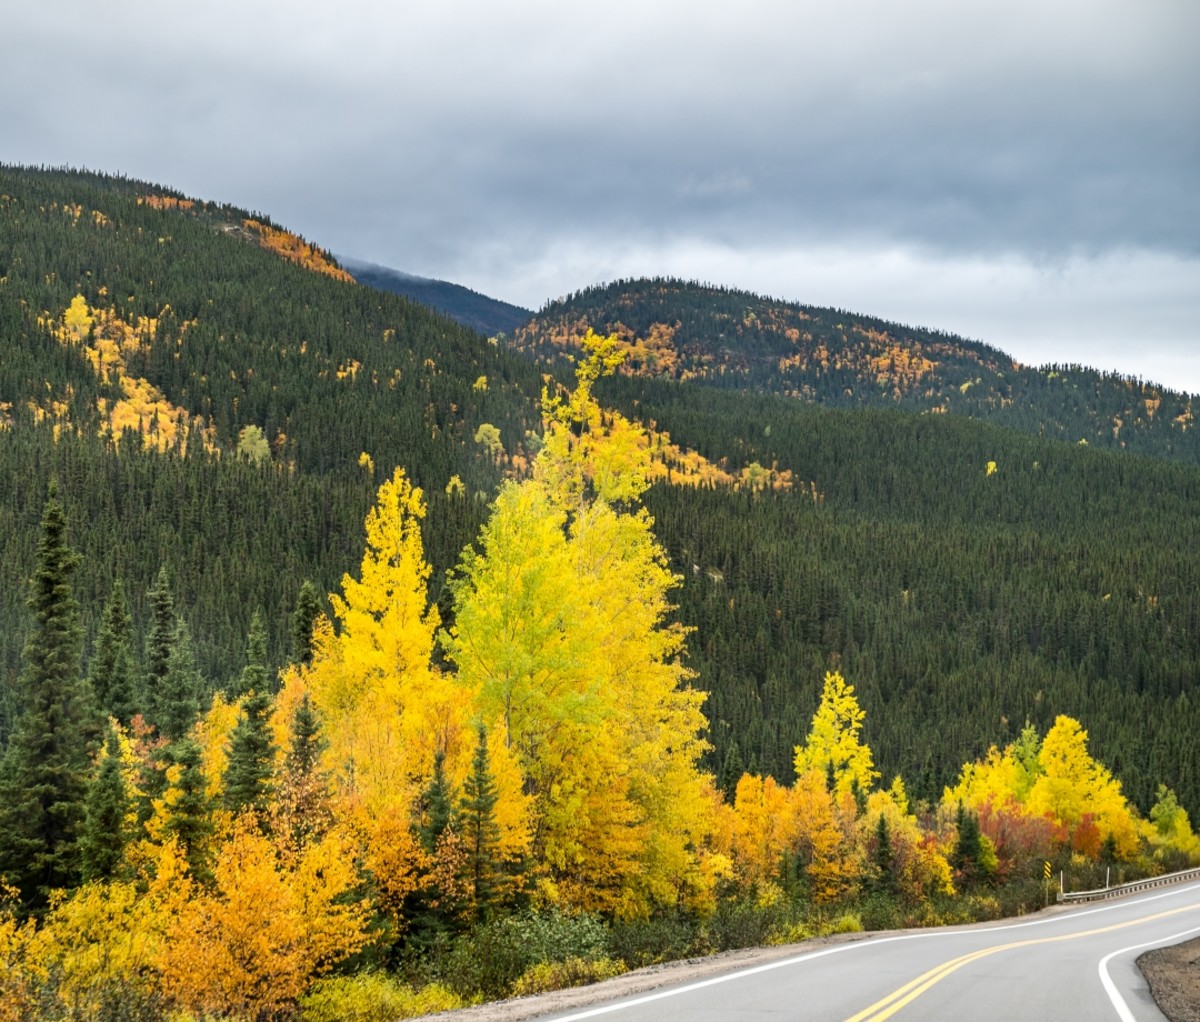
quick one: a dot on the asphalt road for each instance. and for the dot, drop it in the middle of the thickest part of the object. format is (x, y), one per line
(1077, 964)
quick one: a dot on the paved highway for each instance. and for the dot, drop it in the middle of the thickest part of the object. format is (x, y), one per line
(1075, 964)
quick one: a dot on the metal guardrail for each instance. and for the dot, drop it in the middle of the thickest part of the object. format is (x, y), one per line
(1132, 887)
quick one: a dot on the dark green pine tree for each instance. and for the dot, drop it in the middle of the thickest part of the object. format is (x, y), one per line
(112, 676)
(159, 641)
(305, 741)
(968, 846)
(481, 833)
(438, 804)
(731, 770)
(251, 757)
(254, 676)
(304, 617)
(189, 819)
(178, 699)
(885, 857)
(104, 830)
(43, 776)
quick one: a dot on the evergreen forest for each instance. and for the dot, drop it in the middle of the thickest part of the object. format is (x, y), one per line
(450, 667)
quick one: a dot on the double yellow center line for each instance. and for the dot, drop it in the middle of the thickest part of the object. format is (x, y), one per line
(897, 999)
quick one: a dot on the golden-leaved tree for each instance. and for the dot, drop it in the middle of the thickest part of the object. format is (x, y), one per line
(386, 712)
(562, 636)
(833, 747)
(1081, 795)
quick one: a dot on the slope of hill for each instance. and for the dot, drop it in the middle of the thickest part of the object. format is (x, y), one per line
(213, 395)
(735, 340)
(489, 316)
(135, 320)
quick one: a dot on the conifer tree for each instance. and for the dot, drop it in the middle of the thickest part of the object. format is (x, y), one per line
(103, 841)
(306, 743)
(481, 833)
(301, 807)
(178, 699)
(968, 846)
(188, 816)
(112, 674)
(885, 857)
(439, 805)
(304, 617)
(251, 756)
(254, 675)
(43, 776)
(159, 638)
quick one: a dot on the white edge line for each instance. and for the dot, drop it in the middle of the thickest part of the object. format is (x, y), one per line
(1118, 1002)
(1110, 987)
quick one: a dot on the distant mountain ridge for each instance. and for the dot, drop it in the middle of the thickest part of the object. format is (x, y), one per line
(735, 340)
(489, 316)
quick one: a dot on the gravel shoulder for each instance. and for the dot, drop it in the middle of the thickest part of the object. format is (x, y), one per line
(1174, 977)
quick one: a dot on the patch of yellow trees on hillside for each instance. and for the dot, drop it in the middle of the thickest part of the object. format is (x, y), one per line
(106, 340)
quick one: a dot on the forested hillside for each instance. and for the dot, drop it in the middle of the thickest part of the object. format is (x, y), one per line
(735, 340)
(1067, 576)
(338, 624)
(288, 377)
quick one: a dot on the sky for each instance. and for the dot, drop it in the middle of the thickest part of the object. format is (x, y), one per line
(1021, 172)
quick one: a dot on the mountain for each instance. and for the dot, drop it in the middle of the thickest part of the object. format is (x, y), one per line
(489, 316)
(218, 396)
(214, 394)
(736, 340)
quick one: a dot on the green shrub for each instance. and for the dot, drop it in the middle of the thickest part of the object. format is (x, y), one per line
(739, 924)
(372, 997)
(668, 938)
(880, 912)
(492, 957)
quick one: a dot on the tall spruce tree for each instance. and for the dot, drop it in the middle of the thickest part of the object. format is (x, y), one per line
(304, 617)
(112, 676)
(43, 776)
(159, 639)
(251, 757)
(438, 804)
(104, 831)
(189, 816)
(178, 699)
(968, 846)
(481, 833)
(254, 677)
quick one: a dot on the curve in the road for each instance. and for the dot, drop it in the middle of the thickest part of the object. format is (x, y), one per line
(884, 1007)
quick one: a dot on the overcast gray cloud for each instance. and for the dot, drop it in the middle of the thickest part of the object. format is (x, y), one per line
(1024, 172)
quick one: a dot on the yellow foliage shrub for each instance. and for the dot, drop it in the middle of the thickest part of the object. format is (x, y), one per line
(373, 997)
(574, 972)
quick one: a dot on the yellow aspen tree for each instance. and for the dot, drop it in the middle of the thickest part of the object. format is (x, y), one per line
(765, 828)
(561, 634)
(919, 867)
(831, 858)
(384, 708)
(1073, 788)
(994, 781)
(833, 747)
